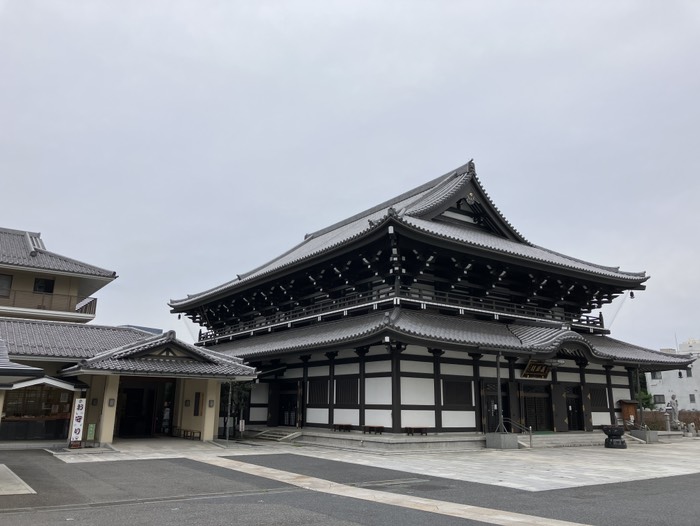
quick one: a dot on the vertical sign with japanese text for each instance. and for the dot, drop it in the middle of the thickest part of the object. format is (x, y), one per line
(76, 434)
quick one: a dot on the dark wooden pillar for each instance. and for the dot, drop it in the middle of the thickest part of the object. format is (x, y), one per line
(437, 381)
(301, 419)
(586, 406)
(331, 384)
(611, 402)
(559, 407)
(395, 349)
(362, 353)
(513, 400)
(477, 391)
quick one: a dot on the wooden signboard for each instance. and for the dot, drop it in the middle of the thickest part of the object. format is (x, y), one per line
(535, 369)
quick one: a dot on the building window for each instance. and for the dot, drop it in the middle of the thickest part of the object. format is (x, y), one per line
(456, 393)
(318, 392)
(197, 403)
(5, 285)
(692, 398)
(659, 399)
(346, 391)
(599, 399)
(43, 285)
(688, 372)
(656, 375)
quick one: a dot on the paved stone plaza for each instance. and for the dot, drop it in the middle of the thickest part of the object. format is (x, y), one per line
(398, 480)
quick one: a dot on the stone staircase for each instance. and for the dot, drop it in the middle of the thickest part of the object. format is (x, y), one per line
(273, 435)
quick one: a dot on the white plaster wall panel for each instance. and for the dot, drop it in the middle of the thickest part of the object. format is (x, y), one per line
(596, 379)
(417, 418)
(346, 416)
(378, 417)
(409, 366)
(316, 415)
(460, 355)
(322, 370)
(378, 391)
(620, 394)
(458, 419)
(600, 419)
(258, 414)
(456, 369)
(346, 353)
(568, 377)
(347, 368)
(377, 350)
(378, 367)
(294, 373)
(595, 367)
(416, 350)
(417, 391)
(619, 369)
(258, 394)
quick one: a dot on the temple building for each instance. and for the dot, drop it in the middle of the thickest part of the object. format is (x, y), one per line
(408, 315)
(57, 371)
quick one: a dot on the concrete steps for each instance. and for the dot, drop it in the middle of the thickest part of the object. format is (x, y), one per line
(546, 440)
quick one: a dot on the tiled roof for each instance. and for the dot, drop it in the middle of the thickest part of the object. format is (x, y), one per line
(72, 341)
(416, 209)
(19, 248)
(8, 368)
(190, 361)
(451, 331)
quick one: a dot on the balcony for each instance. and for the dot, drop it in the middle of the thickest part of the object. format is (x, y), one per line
(384, 298)
(48, 306)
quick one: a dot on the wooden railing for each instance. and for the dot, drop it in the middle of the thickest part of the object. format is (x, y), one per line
(374, 299)
(56, 302)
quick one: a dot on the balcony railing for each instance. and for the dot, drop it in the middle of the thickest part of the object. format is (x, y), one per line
(55, 302)
(442, 300)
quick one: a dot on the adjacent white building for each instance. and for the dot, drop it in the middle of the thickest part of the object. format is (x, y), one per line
(684, 383)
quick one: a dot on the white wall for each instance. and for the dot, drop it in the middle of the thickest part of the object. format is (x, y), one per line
(417, 418)
(416, 367)
(378, 417)
(347, 368)
(417, 391)
(378, 391)
(378, 367)
(346, 416)
(456, 369)
(600, 419)
(458, 419)
(316, 416)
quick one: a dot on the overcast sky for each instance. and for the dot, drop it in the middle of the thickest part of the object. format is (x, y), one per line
(181, 143)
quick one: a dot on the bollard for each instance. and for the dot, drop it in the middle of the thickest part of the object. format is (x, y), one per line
(668, 422)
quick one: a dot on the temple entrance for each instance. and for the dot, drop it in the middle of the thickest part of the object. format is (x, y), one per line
(537, 407)
(491, 406)
(574, 409)
(288, 404)
(144, 407)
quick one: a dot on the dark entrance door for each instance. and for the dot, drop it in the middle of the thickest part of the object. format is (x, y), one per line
(537, 407)
(144, 407)
(492, 406)
(288, 398)
(574, 408)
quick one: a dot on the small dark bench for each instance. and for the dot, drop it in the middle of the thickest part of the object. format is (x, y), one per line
(413, 430)
(377, 430)
(342, 427)
(191, 434)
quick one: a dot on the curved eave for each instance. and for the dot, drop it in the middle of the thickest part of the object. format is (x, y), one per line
(254, 277)
(625, 279)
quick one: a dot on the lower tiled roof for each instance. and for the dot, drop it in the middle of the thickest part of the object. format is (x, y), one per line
(436, 330)
(49, 339)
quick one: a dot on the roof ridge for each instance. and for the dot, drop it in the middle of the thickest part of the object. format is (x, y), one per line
(69, 324)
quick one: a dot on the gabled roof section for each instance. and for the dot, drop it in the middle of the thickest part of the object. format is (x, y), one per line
(62, 340)
(163, 355)
(454, 207)
(455, 332)
(23, 249)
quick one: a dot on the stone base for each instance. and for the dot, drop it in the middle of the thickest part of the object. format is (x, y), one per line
(502, 441)
(647, 436)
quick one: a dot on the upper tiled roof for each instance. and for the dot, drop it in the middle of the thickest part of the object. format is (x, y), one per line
(19, 248)
(437, 330)
(136, 359)
(71, 341)
(417, 209)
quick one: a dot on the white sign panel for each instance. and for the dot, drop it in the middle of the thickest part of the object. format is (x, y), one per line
(76, 434)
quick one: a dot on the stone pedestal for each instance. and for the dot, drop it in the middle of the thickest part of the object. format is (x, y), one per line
(502, 441)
